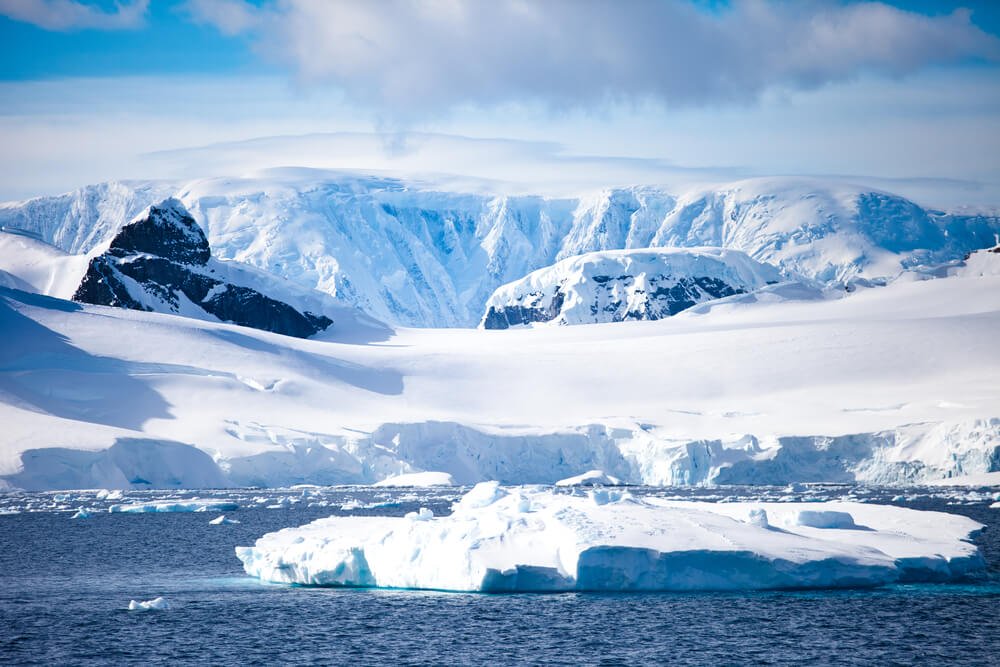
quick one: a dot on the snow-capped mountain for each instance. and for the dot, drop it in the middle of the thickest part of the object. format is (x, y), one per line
(161, 262)
(619, 285)
(410, 253)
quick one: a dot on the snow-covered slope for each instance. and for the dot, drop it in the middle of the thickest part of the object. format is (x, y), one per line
(28, 263)
(411, 253)
(620, 285)
(894, 384)
(529, 539)
(981, 263)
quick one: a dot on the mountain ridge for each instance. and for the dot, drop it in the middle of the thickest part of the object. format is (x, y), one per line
(412, 255)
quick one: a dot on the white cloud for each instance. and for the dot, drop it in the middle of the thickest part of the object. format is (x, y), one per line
(933, 136)
(408, 57)
(67, 15)
(230, 17)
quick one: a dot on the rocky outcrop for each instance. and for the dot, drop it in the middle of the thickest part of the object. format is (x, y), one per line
(615, 286)
(162, 262)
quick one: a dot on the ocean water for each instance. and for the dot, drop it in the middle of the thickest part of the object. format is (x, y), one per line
(65, 585)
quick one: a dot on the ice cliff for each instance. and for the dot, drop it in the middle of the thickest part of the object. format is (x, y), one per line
(526, 539)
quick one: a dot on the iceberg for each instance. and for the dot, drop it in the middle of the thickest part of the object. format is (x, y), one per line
(429, 478)
(193, 505)
(508, 539)
(222, 520)
(156, 604)
(591, 478)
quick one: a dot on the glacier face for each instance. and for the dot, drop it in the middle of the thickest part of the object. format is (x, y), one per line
(619, 285)
(410, 254)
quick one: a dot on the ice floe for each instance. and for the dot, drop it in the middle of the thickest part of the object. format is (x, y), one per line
(591, 478)
(223, 521)
(539, 539)
(194, 505)
(419, 479)
(156, 604)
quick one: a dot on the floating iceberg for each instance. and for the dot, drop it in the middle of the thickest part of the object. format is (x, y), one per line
(221, 520)
(156, 604)
(419, 479)
(193, 505)
(591, 478)
(537, 539)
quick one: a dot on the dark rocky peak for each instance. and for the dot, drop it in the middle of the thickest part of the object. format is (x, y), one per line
(160, 262)
(166, 230)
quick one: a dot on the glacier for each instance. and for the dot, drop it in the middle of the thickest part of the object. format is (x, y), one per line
(413, 253)
(871, 359)
(887, 385)
(536, 539)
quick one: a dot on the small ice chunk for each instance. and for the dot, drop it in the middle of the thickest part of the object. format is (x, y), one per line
(81, 514)
(523, 504)
(825, 519)
(223, 521)
(423, 515)
(605, 496)
(481, 495)
(156, 604)
(995, 506)
(757, 516)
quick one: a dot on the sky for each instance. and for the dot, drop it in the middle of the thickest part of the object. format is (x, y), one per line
(552, 96)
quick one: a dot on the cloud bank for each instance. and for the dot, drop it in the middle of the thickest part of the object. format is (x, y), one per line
(69, 15)
(404, 56)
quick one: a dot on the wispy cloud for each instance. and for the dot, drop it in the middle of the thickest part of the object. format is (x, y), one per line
(230, 17)
(69, 15)
(404, 56)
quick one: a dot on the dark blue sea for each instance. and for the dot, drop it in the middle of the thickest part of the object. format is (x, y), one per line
(65, 585)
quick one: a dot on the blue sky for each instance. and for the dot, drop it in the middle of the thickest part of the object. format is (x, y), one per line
(900, 94)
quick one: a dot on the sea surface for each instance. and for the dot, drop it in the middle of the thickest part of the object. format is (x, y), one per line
(65, 587)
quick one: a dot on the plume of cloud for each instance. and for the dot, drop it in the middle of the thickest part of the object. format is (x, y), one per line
(428, 56)
(69, 15)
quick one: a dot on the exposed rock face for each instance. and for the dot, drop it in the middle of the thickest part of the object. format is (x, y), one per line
(614, 286)
(162, 262)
